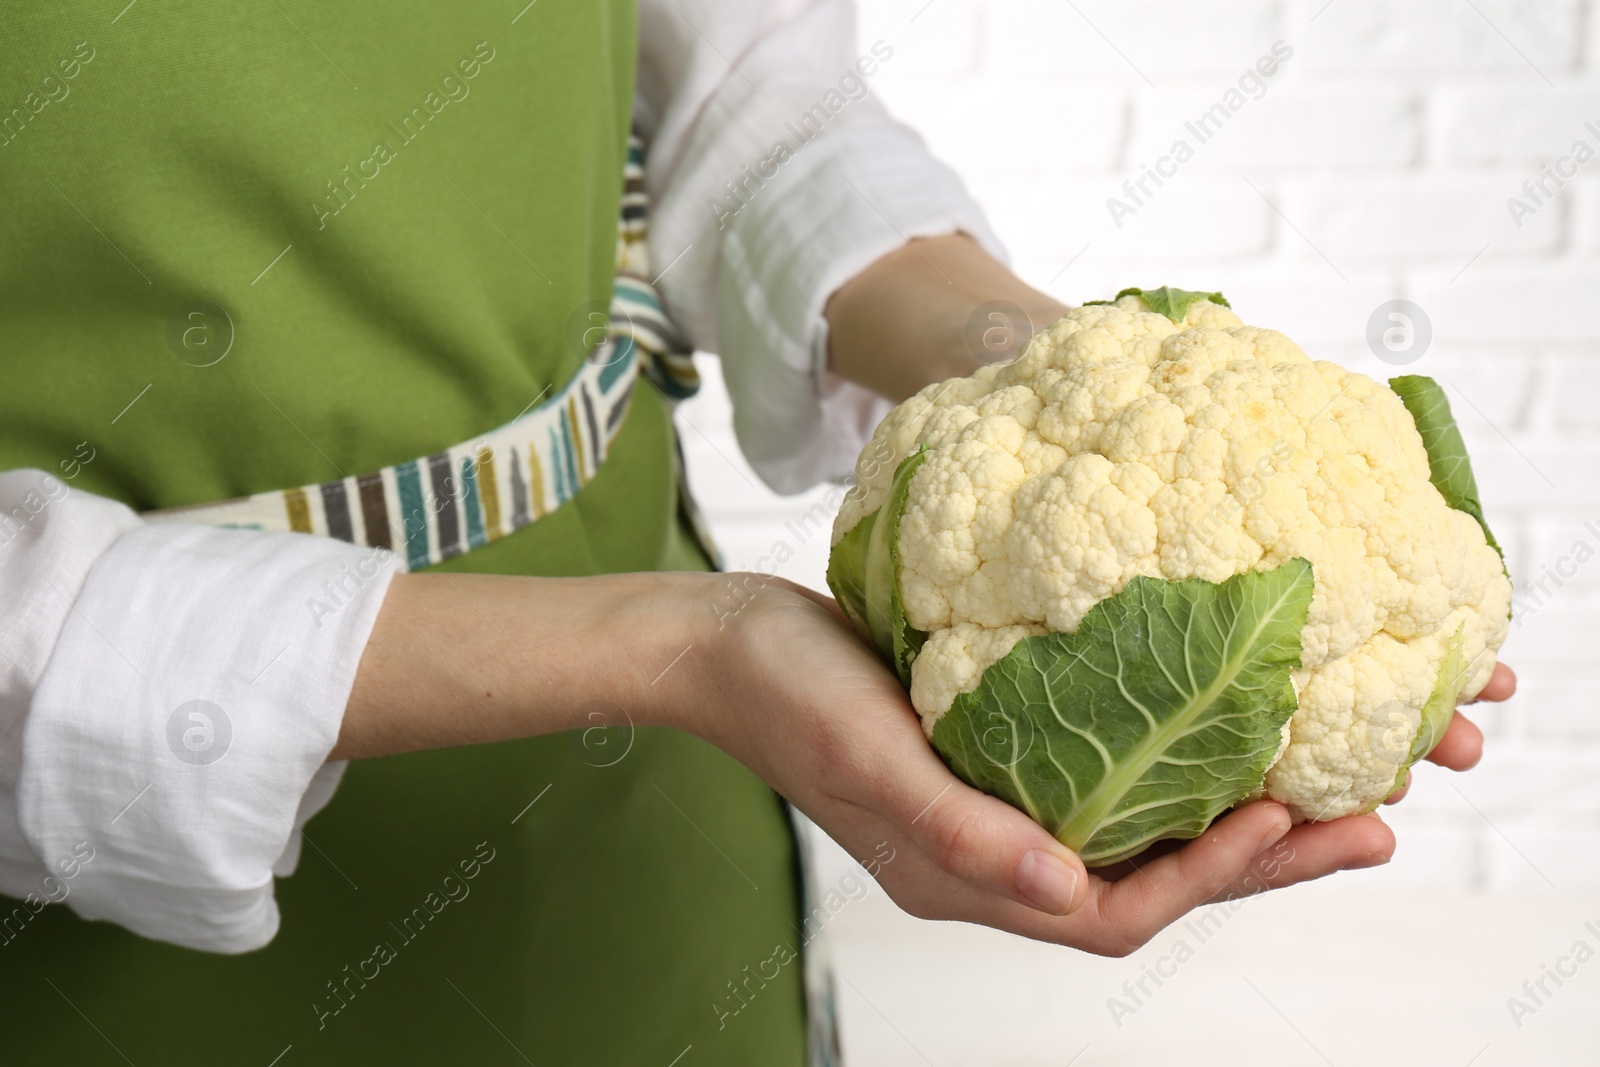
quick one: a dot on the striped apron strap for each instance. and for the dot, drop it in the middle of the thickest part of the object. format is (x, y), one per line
(436, 507)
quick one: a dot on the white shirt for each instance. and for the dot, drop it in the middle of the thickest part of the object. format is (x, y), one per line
(167, 697)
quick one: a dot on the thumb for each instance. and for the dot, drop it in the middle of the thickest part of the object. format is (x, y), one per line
(987, 842)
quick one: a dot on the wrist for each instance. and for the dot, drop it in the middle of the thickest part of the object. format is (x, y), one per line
(673, 623)
(920, 315)
(707, 680)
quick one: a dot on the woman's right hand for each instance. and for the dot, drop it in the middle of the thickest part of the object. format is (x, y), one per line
(771, 673)
(788, 689)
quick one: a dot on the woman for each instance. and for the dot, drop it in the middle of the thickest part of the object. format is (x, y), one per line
(357, 275)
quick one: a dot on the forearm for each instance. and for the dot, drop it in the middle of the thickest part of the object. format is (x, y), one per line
(464, 659)
(903, 323)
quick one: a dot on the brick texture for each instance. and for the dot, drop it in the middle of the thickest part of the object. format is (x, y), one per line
(1523, 39)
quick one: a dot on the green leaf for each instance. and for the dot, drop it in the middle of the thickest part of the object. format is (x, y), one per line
(863, 570)
(847, 570)
(1449, 467)
(1163, 710)
(1441, 705)
(1440, 708)
(1173, 303)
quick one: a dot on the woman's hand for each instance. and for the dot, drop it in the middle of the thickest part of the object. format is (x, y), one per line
(935, 308)
(805, 704)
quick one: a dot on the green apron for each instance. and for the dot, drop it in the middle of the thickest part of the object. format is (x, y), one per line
(388, 217)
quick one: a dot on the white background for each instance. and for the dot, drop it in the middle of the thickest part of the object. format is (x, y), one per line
(1377, 165)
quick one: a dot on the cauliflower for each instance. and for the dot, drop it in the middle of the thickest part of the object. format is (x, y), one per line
(1163, 562)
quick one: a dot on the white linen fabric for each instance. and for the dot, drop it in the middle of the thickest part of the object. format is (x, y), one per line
(185, 712)
(775, 175)
(169, 693)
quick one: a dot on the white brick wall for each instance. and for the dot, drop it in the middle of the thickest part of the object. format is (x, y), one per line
(1390, 141)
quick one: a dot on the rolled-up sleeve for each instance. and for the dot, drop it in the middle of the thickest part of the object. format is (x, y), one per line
(170, 696)
(776, 175)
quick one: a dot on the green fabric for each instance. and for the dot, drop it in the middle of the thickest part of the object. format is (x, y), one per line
(196, 144)
(185, 157)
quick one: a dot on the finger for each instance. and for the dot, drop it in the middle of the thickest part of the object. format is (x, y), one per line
(1314, 850)
(922, 888)
(1137, 907)
(1461, 747)
(987, 842)
(1109, 926)
(1502, 684)
(887, 767)
(1399, 794)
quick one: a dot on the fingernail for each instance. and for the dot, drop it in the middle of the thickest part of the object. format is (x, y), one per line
(1047, 882)
(1371, 859)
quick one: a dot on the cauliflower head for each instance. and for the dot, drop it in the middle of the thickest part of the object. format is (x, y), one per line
(1157, 447)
